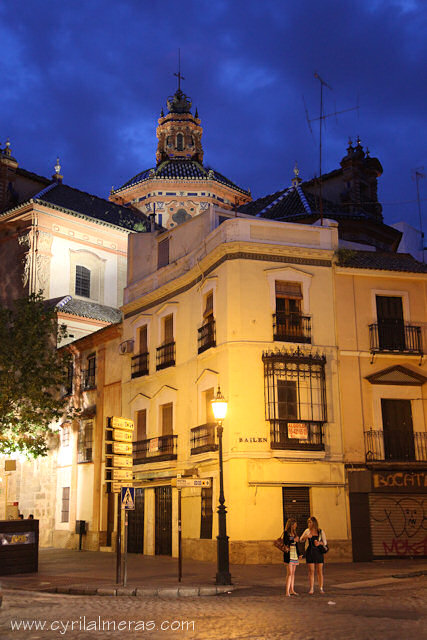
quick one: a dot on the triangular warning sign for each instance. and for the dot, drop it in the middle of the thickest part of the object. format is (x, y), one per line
(127, 501)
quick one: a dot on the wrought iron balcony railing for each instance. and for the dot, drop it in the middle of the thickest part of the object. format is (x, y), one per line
(297, 434)
(165, 356)
(139, 365)
(155, 449)
(291, 327)
(395, 336)
(381, 446)
(88, 379)
(207, 336)
(202, 438)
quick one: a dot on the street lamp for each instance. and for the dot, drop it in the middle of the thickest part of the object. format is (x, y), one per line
(219, 408)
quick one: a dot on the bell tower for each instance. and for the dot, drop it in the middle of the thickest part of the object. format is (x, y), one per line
(179, 133)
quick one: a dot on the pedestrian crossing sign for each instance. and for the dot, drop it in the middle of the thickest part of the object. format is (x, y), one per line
(128, 498)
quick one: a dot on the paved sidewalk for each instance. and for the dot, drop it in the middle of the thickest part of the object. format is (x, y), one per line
(94, 573)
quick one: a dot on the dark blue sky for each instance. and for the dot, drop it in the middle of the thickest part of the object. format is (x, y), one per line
(86, 80)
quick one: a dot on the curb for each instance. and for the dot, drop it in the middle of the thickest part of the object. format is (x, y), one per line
(411, 574)
(144, 592)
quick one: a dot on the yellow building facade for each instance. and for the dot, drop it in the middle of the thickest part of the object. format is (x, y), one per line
(381, 323)
(247, 304)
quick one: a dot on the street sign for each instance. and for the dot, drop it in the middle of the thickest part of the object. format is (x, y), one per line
(182, 483)
(122, 461)
(122, 436)
(122, 448)
(121, 474)
(128, 498)
(121, 423)
(116, 487)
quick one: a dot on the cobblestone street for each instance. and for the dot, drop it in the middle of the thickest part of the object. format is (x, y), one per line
(383, 612)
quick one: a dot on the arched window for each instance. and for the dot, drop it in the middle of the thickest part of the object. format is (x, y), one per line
(180, 142)
(82, 281)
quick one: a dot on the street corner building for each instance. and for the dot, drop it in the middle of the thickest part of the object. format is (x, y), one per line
(297, 305)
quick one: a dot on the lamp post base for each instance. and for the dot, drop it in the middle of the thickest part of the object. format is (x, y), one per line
(223, 575)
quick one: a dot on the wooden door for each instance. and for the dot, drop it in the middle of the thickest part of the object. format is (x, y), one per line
(398, 430)
(391, 328)
(163, 526)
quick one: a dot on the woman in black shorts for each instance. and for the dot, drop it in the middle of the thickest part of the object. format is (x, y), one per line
(313, 557)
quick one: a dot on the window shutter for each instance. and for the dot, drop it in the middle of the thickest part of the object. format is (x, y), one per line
(167, 419)
(143, 344)
(288, 289)
(209, 305)
(168, 328)
(141, 425)
(163, 253)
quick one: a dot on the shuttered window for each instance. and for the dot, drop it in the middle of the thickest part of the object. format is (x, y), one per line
(288, 289)
(168, 329)
(167, 419)
(208, 310)
(82, 281)
(141, 425)
(163, 253)
(65, 507)
(142, 338)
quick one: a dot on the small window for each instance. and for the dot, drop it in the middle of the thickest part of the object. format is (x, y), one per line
(89, 375)
(163, 253)
(287, 400)
(85, 442)
(82, 281)
(180, 142)
(206, 513)
(65, 435)
(141, 425)
(70, 378)
(167, 419)
(65, 507)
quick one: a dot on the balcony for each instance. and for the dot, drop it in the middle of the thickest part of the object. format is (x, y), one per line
(155, 449)
(165, 356)
(381, 446)
(207, 336)
(303, 435)
(139, 365)
(88, 379)
(291, 327)
(202, 438)
(395, 337)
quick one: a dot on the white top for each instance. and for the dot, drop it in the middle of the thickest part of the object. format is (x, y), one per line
(322, 537)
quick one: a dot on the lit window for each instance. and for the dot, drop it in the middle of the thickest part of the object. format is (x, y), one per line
(82, 281)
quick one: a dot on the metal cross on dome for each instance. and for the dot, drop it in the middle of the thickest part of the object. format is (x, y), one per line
(178, 75)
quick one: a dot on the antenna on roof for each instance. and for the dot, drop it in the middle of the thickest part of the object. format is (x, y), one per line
(418, 175)
(322, 122)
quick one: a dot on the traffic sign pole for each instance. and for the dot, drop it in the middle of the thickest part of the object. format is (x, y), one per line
(125, 559)
(179, 538)
(119, 541)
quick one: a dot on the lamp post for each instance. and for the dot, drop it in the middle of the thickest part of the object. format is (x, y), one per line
(219, 408)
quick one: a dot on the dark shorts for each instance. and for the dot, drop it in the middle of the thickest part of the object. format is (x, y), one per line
(313, 556)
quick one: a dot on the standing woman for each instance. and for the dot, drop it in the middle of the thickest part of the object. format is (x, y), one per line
(314, 557)
(290, 557)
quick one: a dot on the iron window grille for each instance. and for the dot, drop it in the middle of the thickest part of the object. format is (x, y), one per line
(395, 335)
(202, 438)
(207, 335)
(139, 365)
(165, 356)
(291, 327)
(295, 398)
(155, 449)
(206, 513)
(82, 281)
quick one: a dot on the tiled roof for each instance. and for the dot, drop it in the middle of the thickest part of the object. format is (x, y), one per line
(79, 202)
(287, 204)
(180, 168)
(85, 309)
(32, 176)
(382, 260)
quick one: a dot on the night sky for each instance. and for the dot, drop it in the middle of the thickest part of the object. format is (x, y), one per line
(85, 80)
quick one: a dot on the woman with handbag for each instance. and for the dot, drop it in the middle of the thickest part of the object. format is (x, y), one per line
(290, 554)
(317, 547)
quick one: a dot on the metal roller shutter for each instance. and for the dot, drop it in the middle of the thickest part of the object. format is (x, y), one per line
(397, 525)
(296, 504)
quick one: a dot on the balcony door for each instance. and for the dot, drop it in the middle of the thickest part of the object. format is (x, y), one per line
(398, 430)
(391, 328)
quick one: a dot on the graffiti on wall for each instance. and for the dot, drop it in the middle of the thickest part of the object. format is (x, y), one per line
(398, 526)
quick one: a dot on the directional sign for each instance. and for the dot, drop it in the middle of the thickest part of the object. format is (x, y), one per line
(122, 436)
(192, 482)
(122, 461)
(116, 487)
(121, 423)
(128, 498)
(121, 474)
(122, 448)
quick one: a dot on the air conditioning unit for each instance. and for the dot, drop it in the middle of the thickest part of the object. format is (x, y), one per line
(126, 347)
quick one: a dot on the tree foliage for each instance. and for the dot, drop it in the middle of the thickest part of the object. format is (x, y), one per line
(33, 376)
